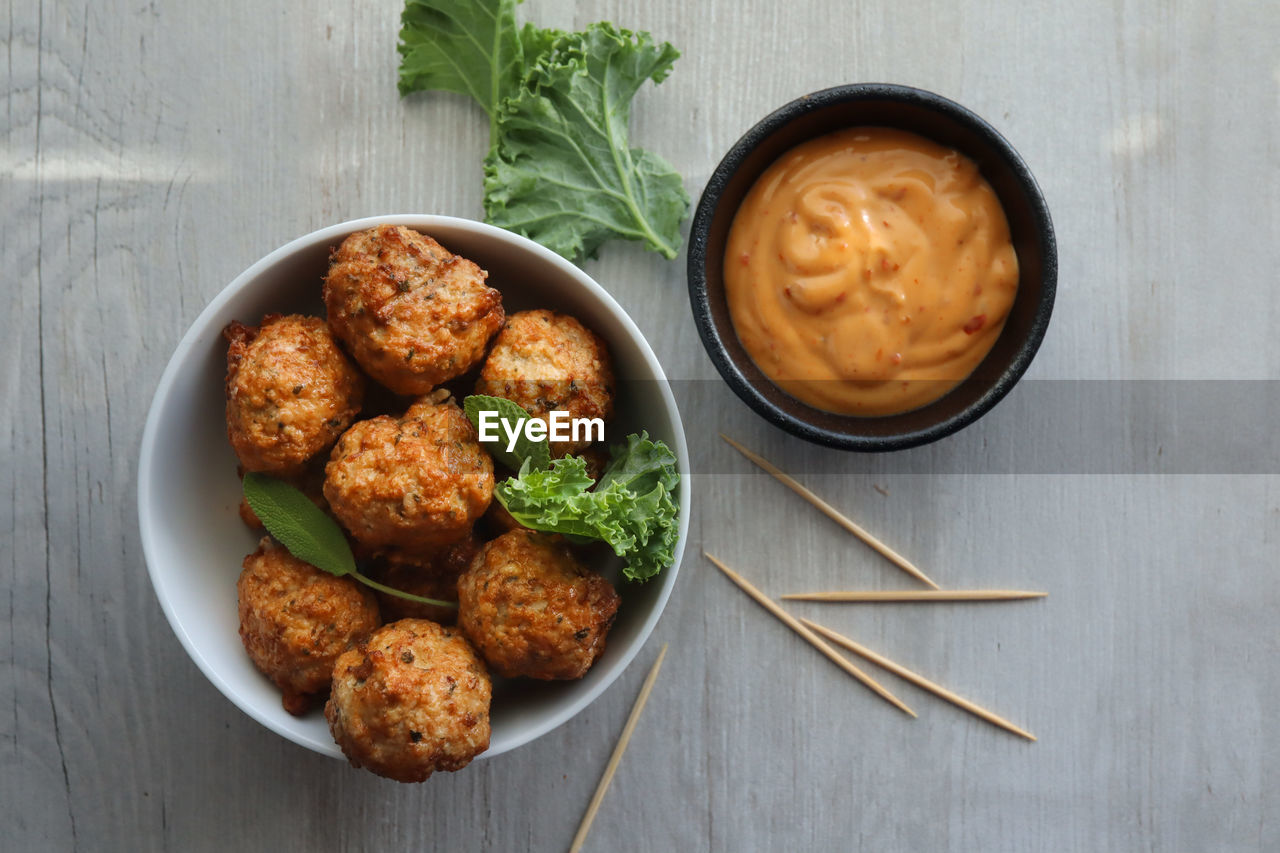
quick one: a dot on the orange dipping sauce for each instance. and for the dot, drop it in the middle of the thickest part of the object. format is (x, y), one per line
(869, 271)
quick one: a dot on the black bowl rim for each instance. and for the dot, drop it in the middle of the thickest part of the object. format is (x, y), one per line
(710, 334)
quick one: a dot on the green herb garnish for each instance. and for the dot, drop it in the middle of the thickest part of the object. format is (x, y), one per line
(471, 48)
(633, 508)
(308, 533)
(563, 171)
(560, 167)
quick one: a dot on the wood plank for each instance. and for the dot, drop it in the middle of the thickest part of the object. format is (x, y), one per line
(153, 151)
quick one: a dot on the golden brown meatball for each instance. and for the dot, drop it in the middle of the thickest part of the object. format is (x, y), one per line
(418, 583)
(411, 312)
(295, 620)
(532, 609)
(414, 483)
(498, 521)
(447, 561)
(433, 575)
(597, 459)
(411, 700)
(547, 361)
(290, 392)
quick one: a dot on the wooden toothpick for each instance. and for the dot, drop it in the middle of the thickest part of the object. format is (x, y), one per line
(616, 758)
(791, 622)
(832, 513)
(917, 595)
(918, 680)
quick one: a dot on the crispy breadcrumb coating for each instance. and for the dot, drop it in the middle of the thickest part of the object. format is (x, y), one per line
(550, 362)
(411, 700)
(296, 619)
(290, 392)
(414, 483)
(533, 609)
(412, 313)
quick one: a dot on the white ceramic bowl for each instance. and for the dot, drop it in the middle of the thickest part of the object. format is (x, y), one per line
(188, 491)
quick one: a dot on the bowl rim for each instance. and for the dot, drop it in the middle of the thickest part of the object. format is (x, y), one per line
(712, 336)
(330, 235)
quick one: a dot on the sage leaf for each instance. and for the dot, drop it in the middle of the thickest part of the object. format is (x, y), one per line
(300, 525)
(309, 534)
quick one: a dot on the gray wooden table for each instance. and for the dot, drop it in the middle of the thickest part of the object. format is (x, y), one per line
(151, 151)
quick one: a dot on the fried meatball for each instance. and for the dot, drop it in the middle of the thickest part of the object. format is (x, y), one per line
(411, 312)
(420, 583)
(295, 620)
(597, 459)
(290, 392)
(433, 575)
(498, 521)
(446, 561)
(532, 609)
(411, 700)
(415, 483)
(547, 361)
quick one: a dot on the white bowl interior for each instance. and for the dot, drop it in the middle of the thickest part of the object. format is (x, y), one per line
(188, 491)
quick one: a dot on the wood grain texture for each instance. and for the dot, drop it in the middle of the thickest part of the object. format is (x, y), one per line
(152, 151)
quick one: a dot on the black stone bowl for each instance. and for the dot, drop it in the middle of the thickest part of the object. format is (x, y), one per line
(931, 116)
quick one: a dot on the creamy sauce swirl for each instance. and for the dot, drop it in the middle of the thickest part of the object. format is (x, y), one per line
(869, 271)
